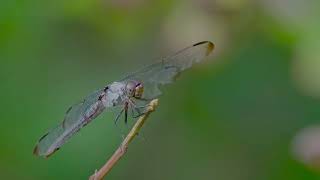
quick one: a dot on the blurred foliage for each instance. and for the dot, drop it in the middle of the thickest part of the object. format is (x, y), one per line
(233, 117)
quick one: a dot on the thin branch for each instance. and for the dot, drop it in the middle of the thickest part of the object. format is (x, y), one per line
(122, 149)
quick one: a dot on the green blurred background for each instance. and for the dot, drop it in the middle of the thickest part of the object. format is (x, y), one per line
(234, 117)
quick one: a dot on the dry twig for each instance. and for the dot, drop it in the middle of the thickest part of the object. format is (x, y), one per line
(122, 149)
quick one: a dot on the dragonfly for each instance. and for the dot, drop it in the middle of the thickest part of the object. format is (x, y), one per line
(129, 93)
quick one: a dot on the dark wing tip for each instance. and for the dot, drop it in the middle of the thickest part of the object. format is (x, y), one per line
(202, 42)
(49, 154)
(42, 137)
(210, 46)
(36, 150)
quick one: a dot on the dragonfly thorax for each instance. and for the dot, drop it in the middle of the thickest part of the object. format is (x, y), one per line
(134, 89)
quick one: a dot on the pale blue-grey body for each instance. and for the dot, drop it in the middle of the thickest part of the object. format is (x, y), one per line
(114, 95)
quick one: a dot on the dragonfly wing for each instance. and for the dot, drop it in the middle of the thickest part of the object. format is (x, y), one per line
(166, 70)
(76, 117)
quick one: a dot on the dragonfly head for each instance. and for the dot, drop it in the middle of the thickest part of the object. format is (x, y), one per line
(134, 89)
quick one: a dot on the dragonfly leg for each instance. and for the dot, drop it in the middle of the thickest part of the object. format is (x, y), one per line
(119, 128)
(118, 116)
(136, 108)
(143, 106)
(132, 111)
(125, 113)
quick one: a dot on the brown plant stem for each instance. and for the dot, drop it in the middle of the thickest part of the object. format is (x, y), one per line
(122, 149)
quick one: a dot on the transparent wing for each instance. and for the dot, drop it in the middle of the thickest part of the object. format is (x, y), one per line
(165, 71)
(76, 117)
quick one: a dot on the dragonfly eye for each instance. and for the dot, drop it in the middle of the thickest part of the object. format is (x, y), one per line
(138, 90)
